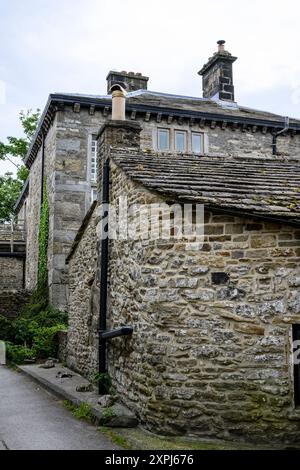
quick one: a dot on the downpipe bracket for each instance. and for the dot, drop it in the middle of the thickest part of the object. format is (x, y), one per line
(109, 334)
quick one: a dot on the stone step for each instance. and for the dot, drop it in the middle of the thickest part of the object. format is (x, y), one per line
(63, 383)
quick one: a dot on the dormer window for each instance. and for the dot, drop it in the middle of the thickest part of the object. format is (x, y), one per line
(163, 139)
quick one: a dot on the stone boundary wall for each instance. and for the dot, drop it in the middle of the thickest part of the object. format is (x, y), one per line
(12, 302)
(11, 272)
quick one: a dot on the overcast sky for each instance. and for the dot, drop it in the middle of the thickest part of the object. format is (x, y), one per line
(51, 46)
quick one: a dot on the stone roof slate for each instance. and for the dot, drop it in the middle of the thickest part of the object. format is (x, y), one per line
(261, 187)
(202, 105)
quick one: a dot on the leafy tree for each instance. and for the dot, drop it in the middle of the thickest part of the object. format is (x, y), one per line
(10, 188)
(15, 151)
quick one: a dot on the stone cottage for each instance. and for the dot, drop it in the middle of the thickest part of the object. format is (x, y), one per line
(63, 150)
(211, 353)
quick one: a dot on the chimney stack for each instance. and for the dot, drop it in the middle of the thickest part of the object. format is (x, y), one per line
(217, 75)
(132, 81)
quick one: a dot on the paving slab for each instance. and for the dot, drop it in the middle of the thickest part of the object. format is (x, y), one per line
(117, 415)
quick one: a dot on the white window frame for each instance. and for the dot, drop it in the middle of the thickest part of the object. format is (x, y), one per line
(180, 131)
(93, 192)
(201, 134)
(163, 129)
(93, 164)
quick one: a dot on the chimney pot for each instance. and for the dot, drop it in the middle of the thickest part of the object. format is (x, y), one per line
(221, 45)
(118, 102)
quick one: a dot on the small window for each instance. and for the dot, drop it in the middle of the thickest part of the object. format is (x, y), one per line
(93, 159)
(296, 362)
(197, 142)
(94, 195)
(180, 141)
(163, 139)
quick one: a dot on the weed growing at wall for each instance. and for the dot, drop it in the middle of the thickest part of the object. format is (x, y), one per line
(43, 242)
(104, 380)
(83, 411)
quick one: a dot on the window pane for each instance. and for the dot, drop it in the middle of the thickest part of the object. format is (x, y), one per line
(93, 159)
(93, 195)
(163, 139)
(180, 141)
(196, 143)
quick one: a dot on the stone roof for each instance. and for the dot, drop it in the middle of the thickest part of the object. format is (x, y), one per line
(149, 103)
(202, 105)
(268, 188)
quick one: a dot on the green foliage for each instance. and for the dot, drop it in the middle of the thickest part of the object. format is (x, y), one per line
(17, 147)
(107, 415)
(83, 411)
(35, 329)
(44, 341)
(7, 331)
(43, 242)
(116, 438)
(15, 150)
(104, 380)
(10, 188)
(38, 302)
(29, 121)
(17, 354)
(22, 174)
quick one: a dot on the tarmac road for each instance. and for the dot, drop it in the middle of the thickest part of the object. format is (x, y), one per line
(33, 419)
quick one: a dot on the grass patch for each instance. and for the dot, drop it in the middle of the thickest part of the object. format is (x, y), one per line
(116, 438)
(139, 439)
(107, 415)
(82, 412)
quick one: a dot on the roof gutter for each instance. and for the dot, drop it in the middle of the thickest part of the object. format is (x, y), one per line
(101, 102)
(22, 195)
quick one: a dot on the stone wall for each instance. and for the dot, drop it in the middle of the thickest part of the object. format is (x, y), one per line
(82, 348)
(33, 204)
(12, 302)
(73, 188)
(11, 273)
(223, 142)
(211, 349)
(67, 170)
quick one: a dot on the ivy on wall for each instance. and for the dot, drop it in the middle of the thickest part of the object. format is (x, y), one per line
(43, 242)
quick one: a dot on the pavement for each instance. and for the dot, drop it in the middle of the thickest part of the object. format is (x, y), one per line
(31, 418)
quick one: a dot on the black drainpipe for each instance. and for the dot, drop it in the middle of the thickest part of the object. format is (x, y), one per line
(42, 170)
(103, 275)
(274, 144)
(104, 334)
